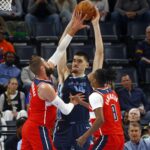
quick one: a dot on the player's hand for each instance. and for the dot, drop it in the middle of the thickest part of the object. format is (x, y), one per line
(96, 18)
(81, 141)
(75, 99)
(77, 20)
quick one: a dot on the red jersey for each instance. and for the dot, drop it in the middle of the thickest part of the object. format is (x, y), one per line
(40, 111)
(111, 111)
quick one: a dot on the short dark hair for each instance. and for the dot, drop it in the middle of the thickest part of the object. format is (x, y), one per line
(105, 76)
(135, 124)
(80, 53)
(125, 74)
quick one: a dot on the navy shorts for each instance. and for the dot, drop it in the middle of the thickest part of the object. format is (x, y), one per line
(65, 135)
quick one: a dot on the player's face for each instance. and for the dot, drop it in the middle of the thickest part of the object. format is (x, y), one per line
(134, 134)
(79, 65)
(48, 70)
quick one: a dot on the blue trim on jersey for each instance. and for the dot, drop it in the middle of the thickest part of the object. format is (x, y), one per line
(104, 91)
(45, 138)
(101, 142)
(37, 81)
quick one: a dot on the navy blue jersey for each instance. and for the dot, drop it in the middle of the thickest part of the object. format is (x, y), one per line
(74, 85)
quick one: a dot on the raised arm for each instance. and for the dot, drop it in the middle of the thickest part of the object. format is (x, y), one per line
(76, 25)
(99, 53)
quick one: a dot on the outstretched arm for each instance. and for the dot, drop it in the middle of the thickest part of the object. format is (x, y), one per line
(99, 53)
(96, 101)
(62, 68)
(46, 92)
(76, 25)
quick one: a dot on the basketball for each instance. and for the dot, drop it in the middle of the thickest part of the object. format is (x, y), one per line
(87, 8)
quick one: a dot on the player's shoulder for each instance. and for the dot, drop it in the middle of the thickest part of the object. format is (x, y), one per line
(44, 86)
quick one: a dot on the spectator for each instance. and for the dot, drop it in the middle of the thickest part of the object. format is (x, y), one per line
(42, 11)
(130, 10)
(12, 101)
(136, 142)
(145, 132)
(65, 8)
(15, 13)
(27, 77)
(134, 115)
(5, 46)
(11, 143)
(133, 97)
(103, 7)
(142, 55)
(2, 137)
(8, 70)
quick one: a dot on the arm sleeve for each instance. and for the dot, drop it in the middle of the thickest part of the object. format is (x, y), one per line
(64, 108)
(96, 100)
(57, 56)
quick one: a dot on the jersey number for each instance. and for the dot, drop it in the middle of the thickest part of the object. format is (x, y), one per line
(113, 107)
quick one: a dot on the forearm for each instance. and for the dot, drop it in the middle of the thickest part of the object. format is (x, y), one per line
(145, 59)
(63, 107)
(94, 128)
(99, 56)
(57, 56)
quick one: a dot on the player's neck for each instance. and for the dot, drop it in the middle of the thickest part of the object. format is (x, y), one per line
(78, 75)
(42, 78)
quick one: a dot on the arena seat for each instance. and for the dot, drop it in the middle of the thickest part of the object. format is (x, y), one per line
(108, 31)
(45, 32)
(115, 54)
(24, 52)
(74, 48)
(136, 30)
(47, 50)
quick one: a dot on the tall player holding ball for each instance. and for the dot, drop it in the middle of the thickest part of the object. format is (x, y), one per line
(70, 127)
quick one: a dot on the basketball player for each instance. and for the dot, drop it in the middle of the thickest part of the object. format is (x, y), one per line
(74, 81)
(105, 104)
(36, 131)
